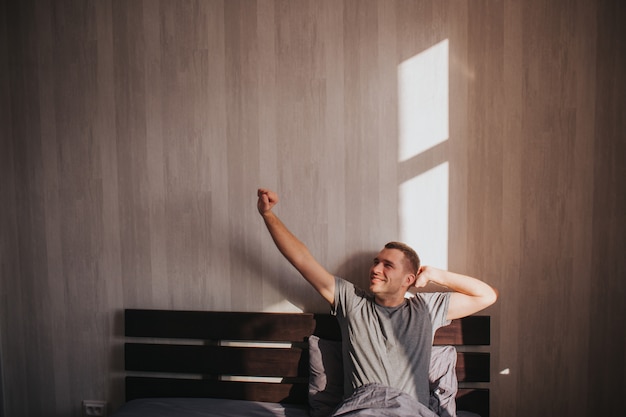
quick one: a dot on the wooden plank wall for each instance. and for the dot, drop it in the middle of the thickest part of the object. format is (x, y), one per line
(134, 135)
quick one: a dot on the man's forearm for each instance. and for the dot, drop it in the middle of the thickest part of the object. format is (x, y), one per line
(287, 243)
(469, 296)
(300, 257)
(460, 283)
(292, 249)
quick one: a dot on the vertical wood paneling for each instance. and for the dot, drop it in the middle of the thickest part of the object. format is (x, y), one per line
(580, 309)
(187, 199)
(28, 287)
(385, 130)
(268, 130)
(548, 154)
(606, 358)
(460, 77)
(361, 73)
(218, 255)
(333, 206)
(9, 253)
(242, 102)
(110, 265)
(509, 319)
(135, 133)
(129, 48)
(156, 65)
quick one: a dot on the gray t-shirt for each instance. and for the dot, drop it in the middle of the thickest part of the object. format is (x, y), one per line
(388, 345)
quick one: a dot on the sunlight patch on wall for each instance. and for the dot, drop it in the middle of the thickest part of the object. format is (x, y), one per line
(423, 82)
(424, 215)
(423, 101)
(284, 306)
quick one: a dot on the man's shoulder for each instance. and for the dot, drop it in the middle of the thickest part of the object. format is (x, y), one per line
(351, 297)
(345, 285)
(437, 305)
(431, 300)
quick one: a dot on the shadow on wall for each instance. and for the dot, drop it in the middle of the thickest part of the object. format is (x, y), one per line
(356, 269)
(291, 286)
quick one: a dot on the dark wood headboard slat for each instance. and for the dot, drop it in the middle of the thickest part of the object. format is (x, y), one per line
(468, 331)
(216, 360)
(213, 325)
(292, 362)
(473, 367)
(473, 399)
(144, 387)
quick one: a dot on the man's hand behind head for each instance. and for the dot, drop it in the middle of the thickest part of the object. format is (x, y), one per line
(422, 278)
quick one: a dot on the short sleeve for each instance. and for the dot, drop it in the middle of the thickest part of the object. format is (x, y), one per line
(437, 303)
(347, 297)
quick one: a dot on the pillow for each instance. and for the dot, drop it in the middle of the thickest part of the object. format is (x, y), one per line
(326, 378)
(443, 381)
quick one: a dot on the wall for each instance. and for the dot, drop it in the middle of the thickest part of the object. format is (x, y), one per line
(134, 135)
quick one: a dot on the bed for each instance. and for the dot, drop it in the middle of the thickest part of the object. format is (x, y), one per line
(225, 364)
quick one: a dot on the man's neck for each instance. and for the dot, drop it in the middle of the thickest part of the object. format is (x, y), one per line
(388, 301)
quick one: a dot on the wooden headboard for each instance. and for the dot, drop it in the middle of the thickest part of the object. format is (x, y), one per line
(264, 356)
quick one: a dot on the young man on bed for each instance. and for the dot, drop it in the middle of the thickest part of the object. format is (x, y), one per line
(387, 337)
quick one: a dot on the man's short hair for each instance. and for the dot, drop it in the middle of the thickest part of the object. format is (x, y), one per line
(412, 260)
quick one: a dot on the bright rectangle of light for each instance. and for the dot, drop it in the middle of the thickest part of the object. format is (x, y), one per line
(423, 89)
(423, 101)
(424, 215)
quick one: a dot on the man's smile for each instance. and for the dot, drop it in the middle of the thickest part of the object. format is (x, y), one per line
(376, 278)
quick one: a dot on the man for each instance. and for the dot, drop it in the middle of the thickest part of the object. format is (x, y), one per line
(387, 337)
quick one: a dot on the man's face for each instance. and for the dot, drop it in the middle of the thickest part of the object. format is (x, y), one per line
(388, 275)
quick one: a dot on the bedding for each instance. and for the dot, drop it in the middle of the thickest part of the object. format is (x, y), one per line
(375, 400)
(207, 407)
(443, 381)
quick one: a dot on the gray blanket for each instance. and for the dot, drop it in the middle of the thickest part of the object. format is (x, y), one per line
(374, 400)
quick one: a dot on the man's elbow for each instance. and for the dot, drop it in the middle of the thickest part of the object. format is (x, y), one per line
(463, 305)
(491, 297)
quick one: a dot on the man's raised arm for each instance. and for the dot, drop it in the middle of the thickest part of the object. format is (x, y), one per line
(469, 296)
(293, 249)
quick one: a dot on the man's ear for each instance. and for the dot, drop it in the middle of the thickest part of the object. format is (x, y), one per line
(410, 279)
